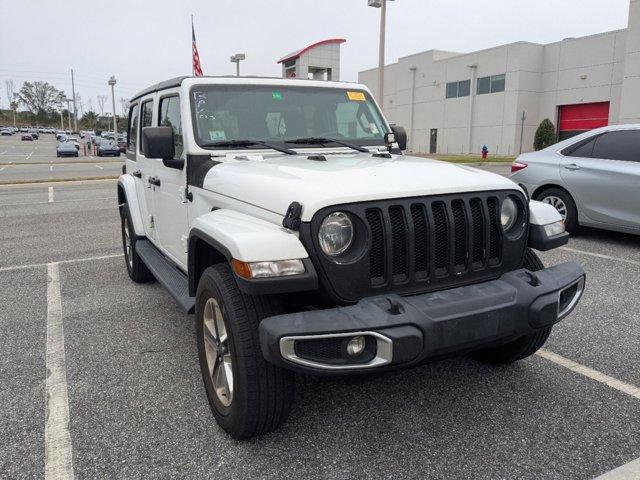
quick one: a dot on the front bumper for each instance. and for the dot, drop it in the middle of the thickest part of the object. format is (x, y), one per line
(403, 331)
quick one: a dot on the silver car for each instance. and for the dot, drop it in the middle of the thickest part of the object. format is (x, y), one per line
(592, 179)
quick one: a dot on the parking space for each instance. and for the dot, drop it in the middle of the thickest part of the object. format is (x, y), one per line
(37, 161)
(137, 407)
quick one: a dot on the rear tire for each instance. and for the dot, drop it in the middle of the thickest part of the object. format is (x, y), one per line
(563, 202)
(248, 396)
(524, 346)
(137, 270)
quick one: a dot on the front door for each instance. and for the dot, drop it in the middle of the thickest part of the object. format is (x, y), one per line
(146, 172)
(170, 202)
(433, 141)
(604, 173)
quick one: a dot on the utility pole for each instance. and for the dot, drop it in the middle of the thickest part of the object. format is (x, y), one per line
(112, 82)
(68, 100)
(61, 121)
(522, 119)
(75, 110)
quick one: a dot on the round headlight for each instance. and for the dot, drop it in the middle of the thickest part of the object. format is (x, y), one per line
(508, 214)
(336, 234)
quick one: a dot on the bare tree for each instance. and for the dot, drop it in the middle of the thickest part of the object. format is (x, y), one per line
(123, 104)
(40, 96)
(102, 99)
(90, 105)
(79, 103)
(10, 89)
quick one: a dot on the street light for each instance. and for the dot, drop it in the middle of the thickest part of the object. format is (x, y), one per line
(382, 5)
(112, 82)
(236, 59)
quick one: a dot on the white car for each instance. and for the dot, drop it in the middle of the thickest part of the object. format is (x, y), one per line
(284, 214)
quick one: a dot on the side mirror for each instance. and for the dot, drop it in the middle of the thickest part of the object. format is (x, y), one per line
(401, 136)
(157, 142)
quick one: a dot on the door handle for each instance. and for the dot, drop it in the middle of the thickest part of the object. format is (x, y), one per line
(572, 166)
(154, 181)
(137, 173)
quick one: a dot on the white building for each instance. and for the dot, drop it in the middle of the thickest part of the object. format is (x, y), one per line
(457, 102)
(318, 61)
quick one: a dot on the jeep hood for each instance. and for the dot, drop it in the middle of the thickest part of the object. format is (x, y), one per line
(273, 182)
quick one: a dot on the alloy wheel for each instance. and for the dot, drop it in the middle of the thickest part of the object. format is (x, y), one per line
(558, 204)
(217, 352)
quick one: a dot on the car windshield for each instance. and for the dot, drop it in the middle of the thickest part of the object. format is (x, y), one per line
(277, 114)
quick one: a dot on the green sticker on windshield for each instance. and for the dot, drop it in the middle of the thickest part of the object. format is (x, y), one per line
(277, 95)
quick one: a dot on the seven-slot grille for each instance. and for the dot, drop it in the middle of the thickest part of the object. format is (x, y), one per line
(415, 245)
(433, 238)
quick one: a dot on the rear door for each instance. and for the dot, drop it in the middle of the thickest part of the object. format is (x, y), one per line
(604, 174)
(170, 201)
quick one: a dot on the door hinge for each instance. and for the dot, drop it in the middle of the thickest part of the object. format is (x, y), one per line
(151, 222)
(185, 243)
(185, 194)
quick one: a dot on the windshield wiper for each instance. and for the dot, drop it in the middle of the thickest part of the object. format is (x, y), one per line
(323, 140)
(248, 143)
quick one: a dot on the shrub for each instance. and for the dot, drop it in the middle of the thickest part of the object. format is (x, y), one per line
(545, 135)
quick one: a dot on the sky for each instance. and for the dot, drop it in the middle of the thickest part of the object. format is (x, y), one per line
(144, 42)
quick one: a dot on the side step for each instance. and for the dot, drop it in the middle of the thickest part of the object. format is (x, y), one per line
(167, 274)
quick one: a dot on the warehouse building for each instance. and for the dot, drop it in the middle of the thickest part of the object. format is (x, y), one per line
(457, 102)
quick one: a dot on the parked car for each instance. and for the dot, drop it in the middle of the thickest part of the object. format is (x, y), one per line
(60, 134)
(307, 245)
(122, 144)
(34, 134)
(26, 137)
(66, 149)
(5, 132)
(74, 141)
(592, 179)
(108, 148)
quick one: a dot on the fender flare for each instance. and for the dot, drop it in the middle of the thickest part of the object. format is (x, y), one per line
(127, 195)
(235, 235)
(541, 213)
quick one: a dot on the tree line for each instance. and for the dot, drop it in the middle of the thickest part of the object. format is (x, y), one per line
(42, 104)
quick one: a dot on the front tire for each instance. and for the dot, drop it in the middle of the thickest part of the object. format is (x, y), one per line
(564, 204)
(524, 346)
(248, 396)
(137, 270)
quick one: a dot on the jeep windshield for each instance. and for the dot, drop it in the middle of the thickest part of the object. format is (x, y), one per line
(284, 114)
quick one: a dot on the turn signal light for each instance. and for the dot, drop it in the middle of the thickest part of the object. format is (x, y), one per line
(517, 166)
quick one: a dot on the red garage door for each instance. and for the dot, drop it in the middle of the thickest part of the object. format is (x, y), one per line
(575, 119)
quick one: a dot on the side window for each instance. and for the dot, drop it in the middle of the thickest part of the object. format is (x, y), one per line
(620, 145)
(133, 128)
(170, 117)
(583, 149)
(146, 115)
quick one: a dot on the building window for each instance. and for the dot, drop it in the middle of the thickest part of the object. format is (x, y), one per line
(458, 89)
(493, 84)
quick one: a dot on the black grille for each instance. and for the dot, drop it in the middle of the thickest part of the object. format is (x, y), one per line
(322, 349)
(458, 238)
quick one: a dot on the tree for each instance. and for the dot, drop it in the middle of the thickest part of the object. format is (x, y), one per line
(101, 101)
(10, 89)
(40, 96)
(545, 135)
(89, 119)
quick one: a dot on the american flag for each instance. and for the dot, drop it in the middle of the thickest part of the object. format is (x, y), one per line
(197, 68)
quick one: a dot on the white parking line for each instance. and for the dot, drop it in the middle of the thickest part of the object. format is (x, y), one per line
(590, 373)
(1, 168)
(628, 471)
(50, 194)
(51, 168)
(98, 166)
(2, 153)
(60, 262)
(30, 155)
(599, 255)
(57, 438)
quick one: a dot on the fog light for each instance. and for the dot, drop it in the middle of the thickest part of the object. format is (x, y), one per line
(356, 346)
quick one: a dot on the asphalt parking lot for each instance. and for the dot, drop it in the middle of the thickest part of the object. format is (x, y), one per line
(137, 409)
(36, 161)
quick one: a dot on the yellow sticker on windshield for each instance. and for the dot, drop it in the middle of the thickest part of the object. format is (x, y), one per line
(356, 96)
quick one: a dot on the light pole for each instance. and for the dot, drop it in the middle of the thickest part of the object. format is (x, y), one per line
(112, 82)
(382, 5)
(68, 100)
(236, 59)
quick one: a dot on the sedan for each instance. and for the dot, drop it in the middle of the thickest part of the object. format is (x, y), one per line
(107, 148)
(34, 134)
(6, 132)
(66, 149)
(592, 179)
(26, 137)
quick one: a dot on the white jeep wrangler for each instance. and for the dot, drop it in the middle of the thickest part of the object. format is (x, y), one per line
(285, 215)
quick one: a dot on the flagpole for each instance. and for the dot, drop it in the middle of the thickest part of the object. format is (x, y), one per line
(193, 72)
